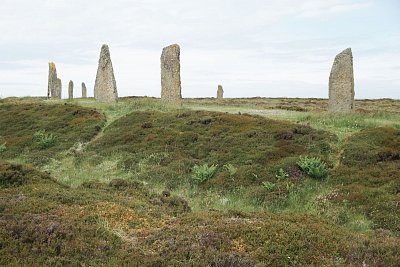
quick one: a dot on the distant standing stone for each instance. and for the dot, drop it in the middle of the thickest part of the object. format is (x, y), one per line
(220, 92)
(71, 90)
(341, 83)
(171, 74)
(52, 82)
(105, 87)
(84, 90)
(58, 89)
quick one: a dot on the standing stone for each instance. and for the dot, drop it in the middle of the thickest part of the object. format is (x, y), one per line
(171, 74)
(84, 90)
(105, 87)
(71, 90)
(57, 93)
(52, 81)
(341, 83)
(220, 92)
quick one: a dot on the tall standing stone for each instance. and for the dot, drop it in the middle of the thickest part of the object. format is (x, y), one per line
(84, 90)
(105, 87)
(341, 83)
(220, 92)
(52, 81)
(71, 90)
(171, 74)
(57, 93)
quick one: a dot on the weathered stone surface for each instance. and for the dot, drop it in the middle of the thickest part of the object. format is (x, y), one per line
(105, 87)
(341, 83)
(71, 90)
(52, 82)
(171, 74)
(58, 91)
(84, 90)
(220, 92)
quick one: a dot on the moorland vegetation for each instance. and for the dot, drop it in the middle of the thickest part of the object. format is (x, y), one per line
(238, 182)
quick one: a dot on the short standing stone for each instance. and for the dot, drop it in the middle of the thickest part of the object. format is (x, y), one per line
(341, 83)
(57, 93)
(84, 90)
(71, 90)
(171, 74)
(220, 92)
(105, 87)
(52, 81)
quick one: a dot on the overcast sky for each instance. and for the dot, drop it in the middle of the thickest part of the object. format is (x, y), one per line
(263, 48)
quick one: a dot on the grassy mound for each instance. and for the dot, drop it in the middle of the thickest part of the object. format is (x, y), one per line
(263, 239)
(369, 176)
(122, 223)
(16, 175)
(164, 147)
(45, 223)
(372, 146)
(40, 131)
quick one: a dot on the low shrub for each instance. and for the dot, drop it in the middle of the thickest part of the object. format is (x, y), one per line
(3, 147)
(44, 140)
(202, 173)
(231, 169)
(269, 186)
(313, 167)
(119, 183)
(281, 174)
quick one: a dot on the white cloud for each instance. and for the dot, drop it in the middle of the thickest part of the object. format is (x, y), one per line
(315, 8)
(254, 47)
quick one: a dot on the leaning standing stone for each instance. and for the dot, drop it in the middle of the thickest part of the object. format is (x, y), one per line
(84, 90)
(52, 81)
(170, 74)
(220, 92)
(71, 90)
(105, 87)
(341, 83)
